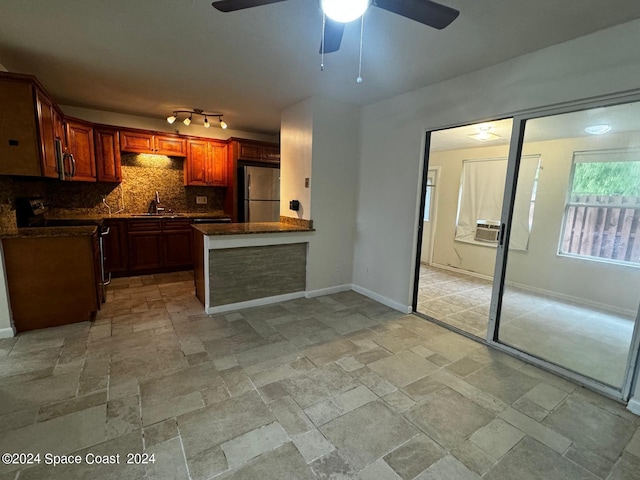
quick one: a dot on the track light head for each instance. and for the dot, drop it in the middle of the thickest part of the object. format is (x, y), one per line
(206, 123)
(187, 121)
(223, 124)
(171, 118)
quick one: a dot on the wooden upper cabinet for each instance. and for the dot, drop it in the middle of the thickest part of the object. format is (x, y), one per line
(136, 141)
(218, 165)
(195, 165)
(20, 127)
(80, 145)
(253, 151)
(271, 153)
(250, 151)
(206, 163)
(48, 120)
(108, 161)
(172, 146)
(141, 141)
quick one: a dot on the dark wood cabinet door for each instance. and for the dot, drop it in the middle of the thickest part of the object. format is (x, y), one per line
(46, 113)
(115, 247)
(145, 250)
(108, 162)
(249, 151)
(178, 248)
(271, 154)
(170, 146)
(136, 141)
(195, 165)
(218, 164)
(80, 145)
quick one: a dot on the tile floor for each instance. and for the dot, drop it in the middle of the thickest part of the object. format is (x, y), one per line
(334, 387)
(550, 329)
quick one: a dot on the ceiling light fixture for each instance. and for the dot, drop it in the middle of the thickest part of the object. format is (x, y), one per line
(598, 129)
(484, 135)
(196, 111)
(344, 11)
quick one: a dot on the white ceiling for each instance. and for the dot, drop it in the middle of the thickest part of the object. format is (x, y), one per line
(148, 57)
(621, 118)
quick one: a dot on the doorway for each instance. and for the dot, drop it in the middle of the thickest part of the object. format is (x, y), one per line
(559, 286)
(464, 186)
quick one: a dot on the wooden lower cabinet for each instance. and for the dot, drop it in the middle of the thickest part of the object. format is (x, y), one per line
(145, 251)
(65, 287)
(115, 248)
(147, 246)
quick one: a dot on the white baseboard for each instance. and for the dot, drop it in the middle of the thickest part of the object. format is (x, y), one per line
(460, 270)
(634, 406)
(571, 299)
(380, 299)
(7, 332)
(310, 294)
(258, 302)
(327, 291)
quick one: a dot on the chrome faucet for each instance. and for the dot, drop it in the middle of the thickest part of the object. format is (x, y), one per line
(154, 205)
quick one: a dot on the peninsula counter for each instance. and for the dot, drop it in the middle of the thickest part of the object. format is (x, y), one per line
(241, 265)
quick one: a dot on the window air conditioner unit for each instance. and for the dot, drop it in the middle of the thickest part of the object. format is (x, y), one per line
(487, 231)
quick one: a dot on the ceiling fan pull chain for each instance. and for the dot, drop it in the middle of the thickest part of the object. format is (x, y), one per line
(324, 21)
(359, 79)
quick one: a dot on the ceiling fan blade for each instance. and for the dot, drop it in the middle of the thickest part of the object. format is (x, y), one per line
(424, 11)
(233, 5)
(332, 36)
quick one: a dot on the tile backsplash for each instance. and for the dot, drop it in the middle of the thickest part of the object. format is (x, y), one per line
(142, 175)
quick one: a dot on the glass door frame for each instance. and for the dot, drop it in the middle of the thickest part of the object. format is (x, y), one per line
(515, 153)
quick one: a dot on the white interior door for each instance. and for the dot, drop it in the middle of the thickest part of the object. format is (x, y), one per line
(430, 201)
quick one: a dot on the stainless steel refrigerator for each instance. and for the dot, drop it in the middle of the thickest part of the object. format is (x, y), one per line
(261, 194)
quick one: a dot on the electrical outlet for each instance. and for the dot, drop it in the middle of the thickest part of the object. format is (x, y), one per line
(306, 182)
(201, 200)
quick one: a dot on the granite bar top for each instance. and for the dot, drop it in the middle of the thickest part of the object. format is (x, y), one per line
(249, 228)
(47, 232)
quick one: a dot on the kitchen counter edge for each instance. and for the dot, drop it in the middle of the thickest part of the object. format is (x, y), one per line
(47, 232)
(249, 228)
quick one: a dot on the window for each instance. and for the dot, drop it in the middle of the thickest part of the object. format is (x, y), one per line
(602, 211)
(481, 194)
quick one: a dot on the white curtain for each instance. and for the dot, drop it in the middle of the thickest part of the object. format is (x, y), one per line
(481, 194)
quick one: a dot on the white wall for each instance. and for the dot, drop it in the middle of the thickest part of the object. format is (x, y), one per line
(320, 140)
(296, 134)
(6, 326)
(393, 137)
(160, 125)
(336, 140)
(539, 268)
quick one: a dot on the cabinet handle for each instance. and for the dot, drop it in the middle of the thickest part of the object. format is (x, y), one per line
(73, 165)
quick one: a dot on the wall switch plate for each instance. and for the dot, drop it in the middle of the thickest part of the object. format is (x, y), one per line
(201, 200)
(306, 182)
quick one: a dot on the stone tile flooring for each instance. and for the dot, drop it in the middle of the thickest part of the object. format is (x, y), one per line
(334, 387)
(550, 329)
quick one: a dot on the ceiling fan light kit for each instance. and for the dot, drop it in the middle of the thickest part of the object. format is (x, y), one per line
(196, 111)
(344, 11)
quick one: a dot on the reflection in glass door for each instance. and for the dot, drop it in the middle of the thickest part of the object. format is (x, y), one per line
(467, 167)
(571, 292)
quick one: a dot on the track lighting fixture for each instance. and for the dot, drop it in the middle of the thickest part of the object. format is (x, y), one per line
(197, 111)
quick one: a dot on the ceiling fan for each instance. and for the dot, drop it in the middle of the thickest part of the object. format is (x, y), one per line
(423, 11)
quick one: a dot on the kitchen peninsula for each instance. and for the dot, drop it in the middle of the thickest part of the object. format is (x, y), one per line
(248, 264)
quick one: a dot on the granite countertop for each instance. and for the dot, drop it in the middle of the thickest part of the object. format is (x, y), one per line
(45, 232)
(137, 216)
(249, 228)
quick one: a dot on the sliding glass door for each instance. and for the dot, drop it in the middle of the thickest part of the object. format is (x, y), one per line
(568, 274)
